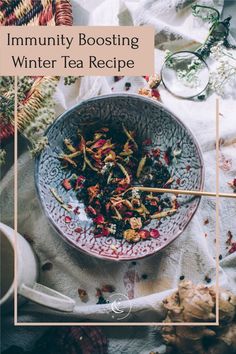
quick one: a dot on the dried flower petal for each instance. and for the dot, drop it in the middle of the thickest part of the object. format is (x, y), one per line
(144, 234)
(67, 219)
(78, 229)
(232, 184)
(233, 248)
(66, 184)
(108, 288)
(229, 238)
(154, 233)
(99, 219)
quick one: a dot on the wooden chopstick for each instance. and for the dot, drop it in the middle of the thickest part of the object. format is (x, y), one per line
(182, 191)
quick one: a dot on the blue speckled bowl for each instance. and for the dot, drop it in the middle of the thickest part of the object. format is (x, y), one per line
(151, 120)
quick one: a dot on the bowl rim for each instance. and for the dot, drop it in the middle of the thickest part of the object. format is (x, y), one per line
(149, 101)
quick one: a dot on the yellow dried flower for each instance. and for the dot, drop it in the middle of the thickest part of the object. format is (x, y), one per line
(131, 235)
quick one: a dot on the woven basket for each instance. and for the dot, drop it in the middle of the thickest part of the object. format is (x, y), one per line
(32, 13)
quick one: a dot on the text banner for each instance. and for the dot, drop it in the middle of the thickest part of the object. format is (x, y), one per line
(76, 51)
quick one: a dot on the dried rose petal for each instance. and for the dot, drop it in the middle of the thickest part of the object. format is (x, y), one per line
(178, 181)
(233, 248)
(99, 219)
(154, 233)
(104, 233)
(67, 219)
(106, 151)
(78, 229)
(232, 184)
(98, 144)
(79, 182)
(90, 210)
(155, 93)
(66, 184)
(156, 152)
(108, 288)
(147, 142)
(93, 191)
(76, 210)
(230, 237)
(144, 234)
(166, 157)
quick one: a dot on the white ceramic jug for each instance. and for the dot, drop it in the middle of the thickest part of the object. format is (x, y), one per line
(27, 273)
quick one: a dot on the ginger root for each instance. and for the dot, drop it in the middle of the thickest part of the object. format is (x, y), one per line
(196, 303)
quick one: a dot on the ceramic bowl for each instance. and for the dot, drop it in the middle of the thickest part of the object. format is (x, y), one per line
(151, 120)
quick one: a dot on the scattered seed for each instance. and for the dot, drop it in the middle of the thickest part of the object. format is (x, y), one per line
(207, 279)
(117, 78)
(127, 86)
(83, 295)
(47, 266)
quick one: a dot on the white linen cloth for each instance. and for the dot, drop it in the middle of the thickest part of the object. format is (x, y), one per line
(193, 254)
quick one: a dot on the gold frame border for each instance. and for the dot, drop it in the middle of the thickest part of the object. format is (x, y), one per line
(197, 324)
